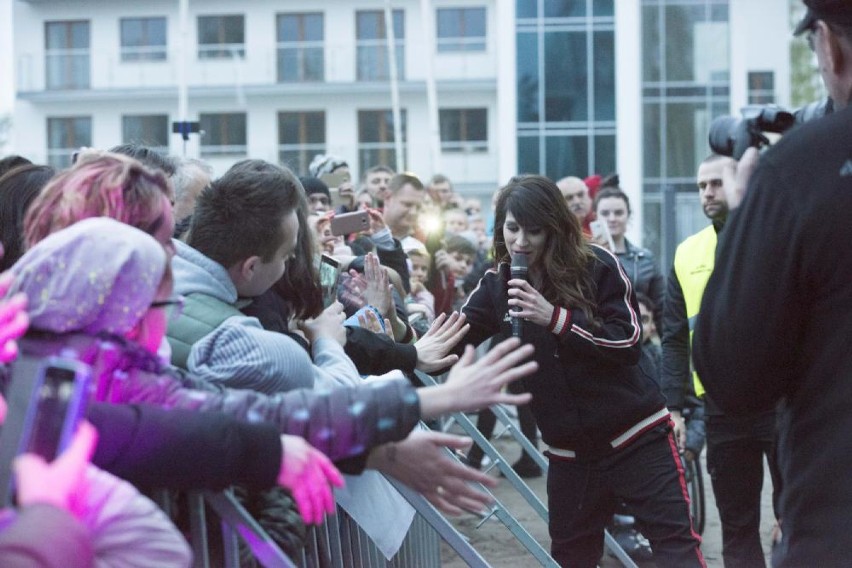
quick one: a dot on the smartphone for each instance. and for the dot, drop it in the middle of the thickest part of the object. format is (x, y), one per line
(47, 399)
(348, 223)
(329, 270)
(600, 230)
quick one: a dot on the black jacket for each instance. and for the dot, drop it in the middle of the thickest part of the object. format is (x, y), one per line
(589, 389)
(776, 324)
(642, 269)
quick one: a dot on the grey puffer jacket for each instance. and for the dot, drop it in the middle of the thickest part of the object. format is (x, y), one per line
(645, 275)
(342, 422)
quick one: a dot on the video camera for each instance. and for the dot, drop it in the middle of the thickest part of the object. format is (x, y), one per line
(732, 136)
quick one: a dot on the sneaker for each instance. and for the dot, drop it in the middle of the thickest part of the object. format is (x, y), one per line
(634, 544)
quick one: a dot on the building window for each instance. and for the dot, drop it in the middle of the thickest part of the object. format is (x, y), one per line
(375, 138)
(150, 130)
(221, 37)
(300, 48)
(65, 136)
(143, 39)
(67, 54)
(301, 136)
(761, 87)
(224, 134)
(460, 29)
(566, 88)
(372, 51)
(464, 130)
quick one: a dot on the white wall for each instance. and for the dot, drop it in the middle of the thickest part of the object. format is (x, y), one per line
(760, 41)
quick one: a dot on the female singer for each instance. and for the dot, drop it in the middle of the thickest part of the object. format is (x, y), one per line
(602, 415)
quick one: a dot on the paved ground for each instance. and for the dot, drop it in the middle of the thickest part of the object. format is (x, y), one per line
(501, 549)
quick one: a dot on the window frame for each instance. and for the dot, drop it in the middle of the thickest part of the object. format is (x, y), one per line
(461, 43)
(223, 49)
(145, 52)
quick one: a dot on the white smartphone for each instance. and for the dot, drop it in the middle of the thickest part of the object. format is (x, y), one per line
(600, 230)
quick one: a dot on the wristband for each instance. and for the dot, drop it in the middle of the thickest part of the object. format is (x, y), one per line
(560, 321)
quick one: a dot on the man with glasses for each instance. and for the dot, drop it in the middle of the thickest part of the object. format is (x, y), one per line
(736, 446)
(776, 317)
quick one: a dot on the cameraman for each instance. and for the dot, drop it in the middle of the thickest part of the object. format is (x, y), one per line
(777, 313)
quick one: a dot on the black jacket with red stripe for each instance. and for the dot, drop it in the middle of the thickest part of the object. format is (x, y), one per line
(591, 393)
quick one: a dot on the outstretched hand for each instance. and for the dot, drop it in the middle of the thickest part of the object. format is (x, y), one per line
(310, 476)
(474, 385)
(377, 292)
(62, 482)
(422, 463)
(13, 319)
(444, 334)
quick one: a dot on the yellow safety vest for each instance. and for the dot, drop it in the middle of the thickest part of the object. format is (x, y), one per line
(693, 264)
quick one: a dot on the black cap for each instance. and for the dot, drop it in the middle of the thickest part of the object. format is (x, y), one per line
(832, 11)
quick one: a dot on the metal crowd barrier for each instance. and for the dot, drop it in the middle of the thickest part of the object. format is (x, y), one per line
(341, 543)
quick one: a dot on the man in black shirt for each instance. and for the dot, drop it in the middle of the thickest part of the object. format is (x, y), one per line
(776, 316)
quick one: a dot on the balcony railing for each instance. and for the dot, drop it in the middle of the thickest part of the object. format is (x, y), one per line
(225, 66)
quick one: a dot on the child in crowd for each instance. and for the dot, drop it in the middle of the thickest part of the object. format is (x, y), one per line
(455, 221)
(421, 302)
(453, 262)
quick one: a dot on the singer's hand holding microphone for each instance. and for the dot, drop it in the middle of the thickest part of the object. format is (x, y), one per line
(526, 304)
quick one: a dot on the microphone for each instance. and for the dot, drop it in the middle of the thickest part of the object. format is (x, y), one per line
(519, 271)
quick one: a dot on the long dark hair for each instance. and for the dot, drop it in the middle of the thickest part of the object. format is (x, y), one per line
(535, 201)
(18, 189)
(299, 286)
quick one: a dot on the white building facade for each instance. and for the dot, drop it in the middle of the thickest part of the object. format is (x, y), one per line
(558, 87)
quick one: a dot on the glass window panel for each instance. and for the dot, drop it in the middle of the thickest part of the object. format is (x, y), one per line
(372, 61)
(686, 128)
(604, 75)
(474, 22)
(376, 138)
(652, 141)
(564, 8)
(224, 134)
(301, 136)
(566, 72)
(67, 55)
(604, 154)
(65, 136)
(80, 35)
(651, 44)
(566, 155)
(460, 29)
(529, 155)
(301, 54)
(719, 12)
(143, 39)
(221, 36)
(528, 82)
(696, 50)
(147, 130)
(526, 8)
(602, 8)
(464, 130)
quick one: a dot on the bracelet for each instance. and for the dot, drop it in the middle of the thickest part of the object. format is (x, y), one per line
(560, 320)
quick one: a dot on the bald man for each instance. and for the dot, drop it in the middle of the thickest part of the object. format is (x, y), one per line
(576, 195)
